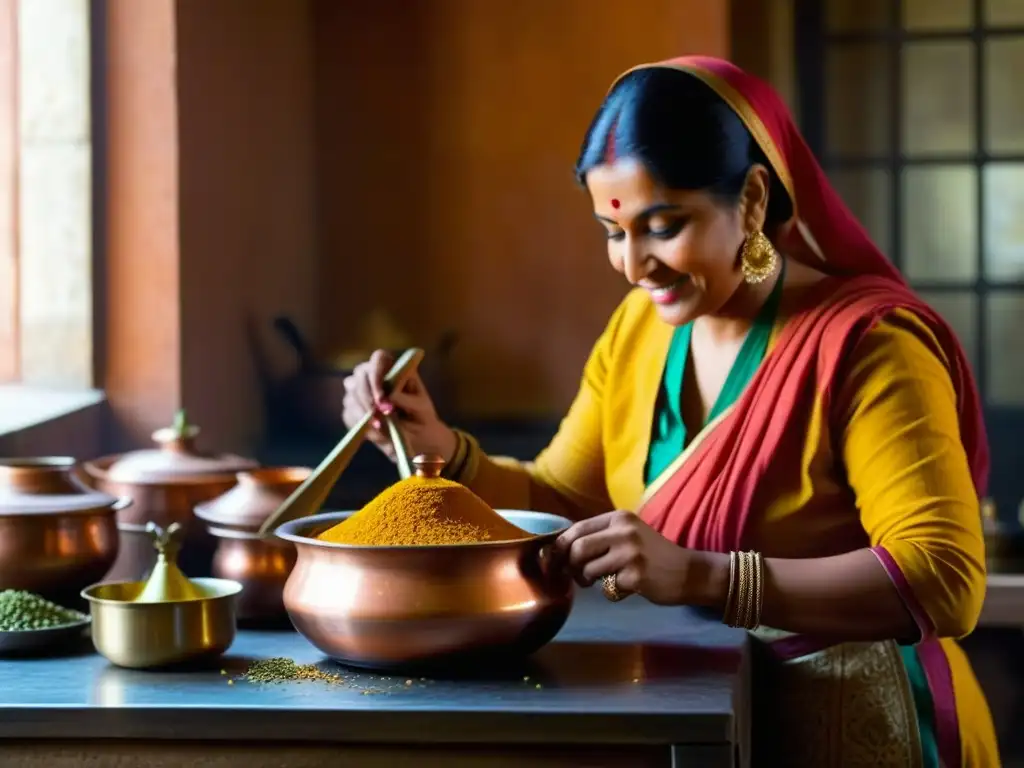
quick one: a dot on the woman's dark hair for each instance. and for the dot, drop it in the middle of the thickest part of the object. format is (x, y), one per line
(685, 135)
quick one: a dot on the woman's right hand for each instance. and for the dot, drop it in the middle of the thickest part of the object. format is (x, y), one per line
(412, 409)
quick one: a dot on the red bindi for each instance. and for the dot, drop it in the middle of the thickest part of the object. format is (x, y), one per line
(615, 203)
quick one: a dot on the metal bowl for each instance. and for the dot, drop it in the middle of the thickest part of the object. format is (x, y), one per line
(402, 607)
(27, 641)
(145, 635)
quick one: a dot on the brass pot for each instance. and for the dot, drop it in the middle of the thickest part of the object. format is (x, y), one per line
(144, 635)
(401, 607)
(261, 564)
(57, 535)
(166, 483)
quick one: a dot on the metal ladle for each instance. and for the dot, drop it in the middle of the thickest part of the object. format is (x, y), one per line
(310, 496)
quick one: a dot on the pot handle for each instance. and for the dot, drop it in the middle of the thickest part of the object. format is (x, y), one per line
(123, 503)
(546, 559)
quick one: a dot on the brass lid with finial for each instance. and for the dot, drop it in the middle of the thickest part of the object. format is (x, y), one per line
(167, 584)
(428, 465)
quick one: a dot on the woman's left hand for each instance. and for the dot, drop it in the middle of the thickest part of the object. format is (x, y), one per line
(643, 560)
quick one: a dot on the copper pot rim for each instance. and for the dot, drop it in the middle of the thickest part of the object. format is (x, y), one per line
(226, 589)
(291, 531)
(97, 469)
(242, 534)
(118, 504)
(281, 475)
(64, 463)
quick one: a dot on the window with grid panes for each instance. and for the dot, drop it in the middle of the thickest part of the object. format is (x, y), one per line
(916, 110)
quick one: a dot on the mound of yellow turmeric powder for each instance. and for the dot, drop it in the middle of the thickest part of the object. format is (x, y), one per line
(423, 511)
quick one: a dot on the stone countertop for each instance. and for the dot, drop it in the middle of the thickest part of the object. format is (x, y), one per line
(628, 673)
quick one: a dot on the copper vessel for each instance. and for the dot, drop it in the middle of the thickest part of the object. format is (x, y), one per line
(57, 535)
(166, 483)
(261, 564)
(408, 607)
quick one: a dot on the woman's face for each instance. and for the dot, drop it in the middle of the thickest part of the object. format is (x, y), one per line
(682, 247)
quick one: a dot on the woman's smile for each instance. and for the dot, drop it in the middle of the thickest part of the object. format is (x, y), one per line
(668, 293)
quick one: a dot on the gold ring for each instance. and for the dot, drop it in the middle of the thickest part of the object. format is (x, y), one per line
(610, 587)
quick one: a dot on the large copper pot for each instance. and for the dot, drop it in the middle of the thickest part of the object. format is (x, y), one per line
(261, 564)
(407, 607)
(57, 535)
(166, 483)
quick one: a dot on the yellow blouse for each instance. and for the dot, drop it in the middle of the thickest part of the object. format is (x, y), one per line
(884, 468)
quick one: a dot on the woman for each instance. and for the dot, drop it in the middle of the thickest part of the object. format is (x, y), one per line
(797, 437)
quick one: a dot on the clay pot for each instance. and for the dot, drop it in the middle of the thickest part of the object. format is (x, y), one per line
(261, 564)
(166, 483)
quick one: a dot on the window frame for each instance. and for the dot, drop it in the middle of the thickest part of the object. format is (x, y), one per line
(49, 212)
(10, 336)
(1005, 423)
(813, 39)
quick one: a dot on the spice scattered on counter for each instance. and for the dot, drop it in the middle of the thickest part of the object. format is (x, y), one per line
(279, 670)
(21, 611)
(284, 670)
(423, 511)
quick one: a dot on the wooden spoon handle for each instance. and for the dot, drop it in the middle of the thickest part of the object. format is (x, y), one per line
(401, 451)
(310, 496)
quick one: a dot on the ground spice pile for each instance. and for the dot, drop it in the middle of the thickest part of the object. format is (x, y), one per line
(423, 511)
(24, 611)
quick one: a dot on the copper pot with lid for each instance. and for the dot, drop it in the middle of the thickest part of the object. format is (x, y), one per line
(261, 564)
(166, 483)
(57, 535)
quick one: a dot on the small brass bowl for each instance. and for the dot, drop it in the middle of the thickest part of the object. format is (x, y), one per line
(145, 635)
(406, 607)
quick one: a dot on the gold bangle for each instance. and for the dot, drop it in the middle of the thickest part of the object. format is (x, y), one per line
(750, 576)
(471, 457)
(745, 598)
(753, 619)
(454, 468)
(758, 597)
(742, 590)
(730, 595)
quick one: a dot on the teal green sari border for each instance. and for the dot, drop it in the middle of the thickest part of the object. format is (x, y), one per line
(924, 706)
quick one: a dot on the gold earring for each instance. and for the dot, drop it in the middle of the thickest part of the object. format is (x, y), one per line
(758, 258)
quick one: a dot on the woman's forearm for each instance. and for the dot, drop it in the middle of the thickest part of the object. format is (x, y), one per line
(847, 596)
(506, 483)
